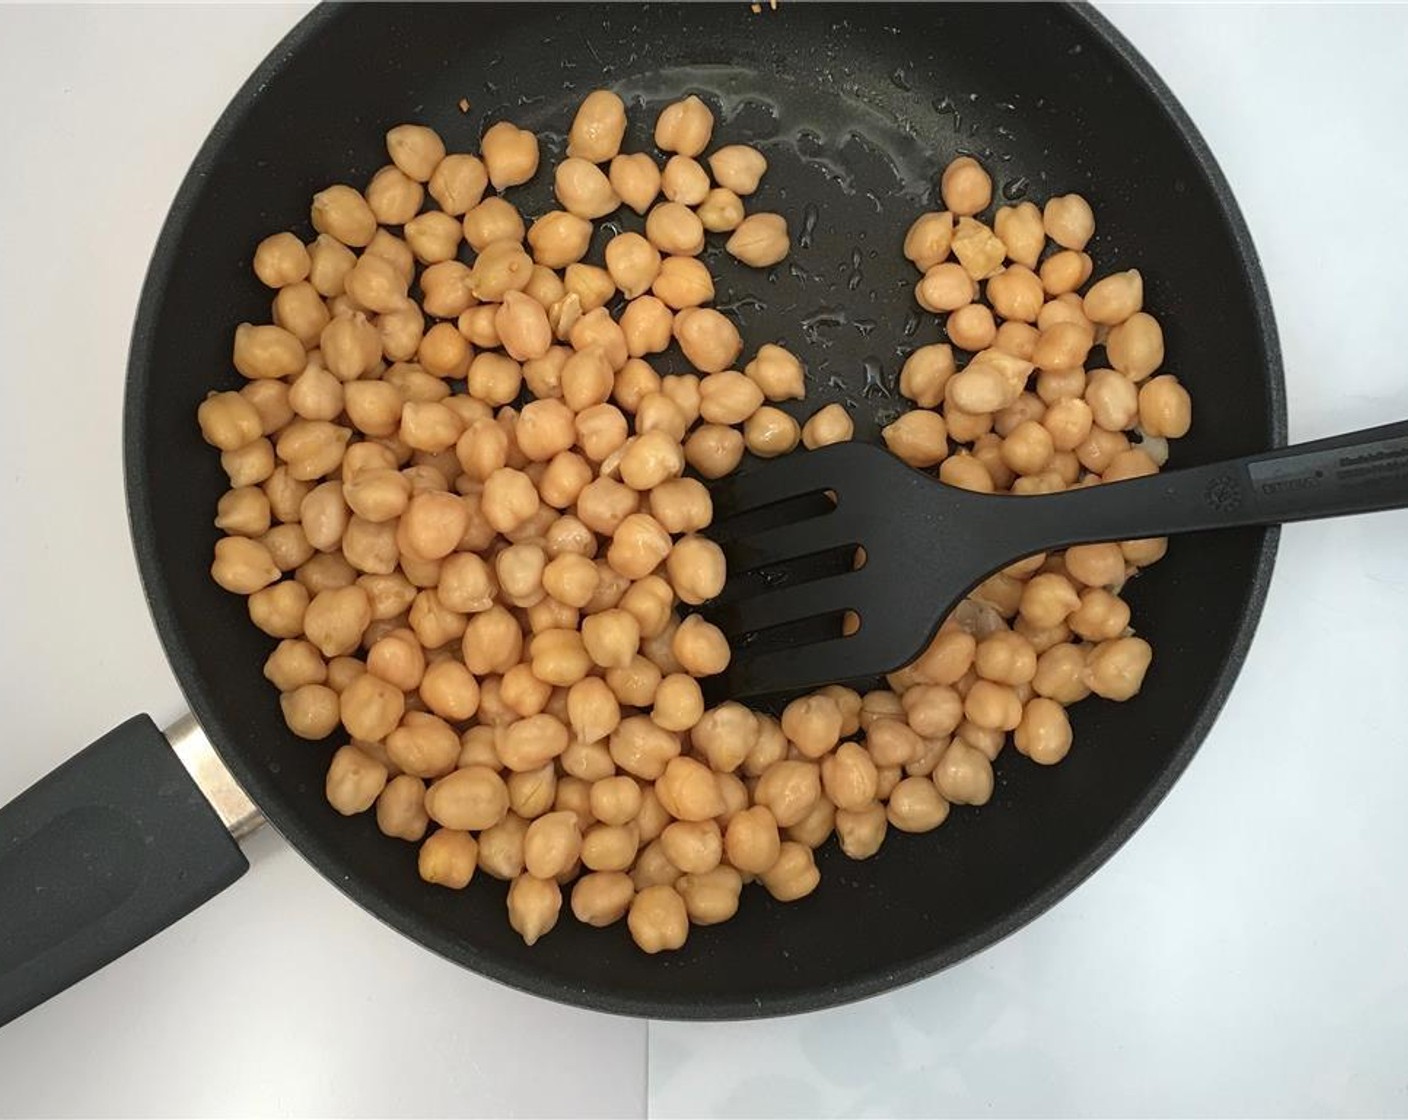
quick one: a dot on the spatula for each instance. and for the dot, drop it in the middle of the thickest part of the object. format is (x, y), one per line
(927, 544)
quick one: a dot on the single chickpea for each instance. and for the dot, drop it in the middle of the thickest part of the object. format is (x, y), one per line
(592, 710)
(729, 397)
(684, 126)
(448, 858)
(658, 919)
(965, 186)
(533, 906)
(738, 168)
(1016, 294)
(587, 378)
(559, 238)
(683, 389)
(1006, 658)
(1100, 449)
(693, 847)
(1044, 735)
(400, 810)
(397, 658)
(1064, 271)
(583, 189)
(493, 642)
(450, 690)
(423, 745)
(760, 241)
(354, 781)
(350, 346)
(560, 658)
(266, 352)
(684, 180)
(770, 432)
(329, 261)
(310, 711)
(849, 777)
(793, 874)
(1017, 339)
(1063, 345)
(636, 180)
(457, 183)
(919, 437)
(342, 213)
(928, 239)
(1165, 408)
(371, 708)
(598, 127)
(299, 309)
(721, 211)
(1115, 669)
(281, 259)
(945, 287)
(1095, 565)
(916, 805)
(1113, 299)
(816, 827)
(510, 154)
(228, 421)
(651, 459)
(1069, 221)
(639, 545)
(700, 647)
(1047, 599)
(293, 664)
(1068, 421)
(1022, 230)
(616, 800)
(1100, 616)
(646, 323)
(683, 282)
(861, 831)
(552, 844)
(604, 504)
(433, 236)
(979, 250)
(674, 229)
(813, 724)
(415, 149)
(1113, 399)
(501, 848)
(714, 450)
(494, 219)
(611, 638)
(679, 703)
(789, 789)
(279, 610)
(642, 748)
(964, 775)
(509, 499)
(696, 569)
(972, 327)
(633, 263)
(1134, 463)
(522, 326)
(966, 472)
(243, 565)
(752, 841)
(1028, 449)
(602, 897)
(1060, 674)
(610, 847)
(994, 706)
(711, 897)
(831, 424)
(470, 799)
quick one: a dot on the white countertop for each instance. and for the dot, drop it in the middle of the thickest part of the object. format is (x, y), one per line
(1243, 954)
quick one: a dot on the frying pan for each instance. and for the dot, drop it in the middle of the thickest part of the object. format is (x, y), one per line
(857, 108)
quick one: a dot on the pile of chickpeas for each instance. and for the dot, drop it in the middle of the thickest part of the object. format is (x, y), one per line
(470, 511)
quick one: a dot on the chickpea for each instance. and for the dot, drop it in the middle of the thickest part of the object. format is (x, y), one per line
(1022, 231)
(424, 745)
(696, 568)
(242, 565)
(400, 813)
(602, 897)
(371, 708)
(944, 287)
(658, 919)
(966, 472)
(813, 724)
(683, 282)
(679, 703)
(583, 189)
(1069, 221)
(916, 805)
(770, 432)
(760, 241)
(560, 658)
(1113, 299)
(263, 352)
(433, 236)
(610, 847)
(457, 183)
(293, 664)
(972, 327)
(501, 848)
(700, 647)
(280, 259)
(721, 211)
(684, 126)
(450, 690)
(965, 186)
(636, 180)
(1006, 658)
(919, 437)
(1095, 565)
(399, 659)
(674, 229)
(643, 748)
(1068, 422)
(1165, 409)
(522, 326)
(993, 706)
(964, 775)
(1064, 272)
(1062, 345)
(694, 847)
(683, 389)
(928, 239)
(752, 842)
(329, 261)
(633, 263)
(650, 600)
(337, 618)
(861, 831)
(471, 798)
(350, 345)
(646, 324)
(616, 800)
(1047, 599)
(1135, 463)
(342, 213)
(849, 777)
(1028, 448)
(684, 180)
(310, 711)
(793, 874)
(492, 642)
(279, 610)
(725, 736)
(1115, 669)
(1060, 674)
(1100, 616)
(598, 127)
(228, 421)
(416, 149)
(829, 425)
(510, 154)
(611, 638)
(651, 459)
(299, 309)
(1113, 399)
(711, 897)
(552, 844)
(1016, 294)
(1100, 449)
(789, 789)
(533, 906)
(354, 781)
(978, 249)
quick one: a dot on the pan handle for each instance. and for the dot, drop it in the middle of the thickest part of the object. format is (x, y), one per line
(112, 847)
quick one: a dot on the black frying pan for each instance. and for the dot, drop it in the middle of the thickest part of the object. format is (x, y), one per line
(857, 108)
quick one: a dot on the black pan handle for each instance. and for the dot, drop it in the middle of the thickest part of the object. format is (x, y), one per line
(112, 847)
(1360, 472)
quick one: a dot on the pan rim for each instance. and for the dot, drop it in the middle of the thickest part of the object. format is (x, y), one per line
(289, 823)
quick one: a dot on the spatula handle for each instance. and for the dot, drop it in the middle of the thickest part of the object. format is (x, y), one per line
(1360, 472)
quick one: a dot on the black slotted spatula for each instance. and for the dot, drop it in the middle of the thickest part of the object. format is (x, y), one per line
(927, 544)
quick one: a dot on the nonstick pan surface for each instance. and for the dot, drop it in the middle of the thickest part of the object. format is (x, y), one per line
(857, 108)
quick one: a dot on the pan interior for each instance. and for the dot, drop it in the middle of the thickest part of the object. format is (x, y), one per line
(857, 109)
